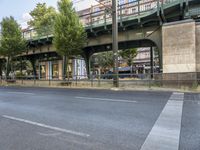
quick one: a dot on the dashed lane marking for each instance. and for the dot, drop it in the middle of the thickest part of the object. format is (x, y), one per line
(46, 126)
(24, 93)
(106, 99)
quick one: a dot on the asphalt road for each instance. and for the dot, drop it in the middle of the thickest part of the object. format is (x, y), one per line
(77, 119)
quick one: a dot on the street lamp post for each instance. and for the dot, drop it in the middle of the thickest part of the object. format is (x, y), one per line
(114, 12)
(115, 42)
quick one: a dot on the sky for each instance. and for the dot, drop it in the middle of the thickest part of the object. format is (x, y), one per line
(20, 9)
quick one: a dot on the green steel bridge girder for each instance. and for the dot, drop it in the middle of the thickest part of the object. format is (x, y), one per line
(173, 11)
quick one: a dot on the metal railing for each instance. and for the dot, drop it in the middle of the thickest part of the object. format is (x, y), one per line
(175, 80)
(131, 10)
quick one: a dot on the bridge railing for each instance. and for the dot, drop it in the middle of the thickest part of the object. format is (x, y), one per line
(131, 10)
(40, 33)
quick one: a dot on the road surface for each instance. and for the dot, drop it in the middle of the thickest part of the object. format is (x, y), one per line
(82, 119)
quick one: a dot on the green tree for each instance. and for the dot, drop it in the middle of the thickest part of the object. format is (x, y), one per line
(69, 33)
(11, 42)
(104, 60)
(43, 18)
(22, 65)
(128, 55)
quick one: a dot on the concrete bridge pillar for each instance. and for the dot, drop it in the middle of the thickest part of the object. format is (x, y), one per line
(60, 69)
(198, 47)
(87, 56)
(180, 46)
(33, 64)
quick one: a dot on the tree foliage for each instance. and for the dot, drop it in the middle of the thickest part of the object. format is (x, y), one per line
(69, 33)
(11, 41)
(104, 60)
(128, 55)
(43, 18)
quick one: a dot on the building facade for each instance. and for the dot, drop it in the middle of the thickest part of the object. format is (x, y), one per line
(142, 62)
(126, 8)
(54, 69)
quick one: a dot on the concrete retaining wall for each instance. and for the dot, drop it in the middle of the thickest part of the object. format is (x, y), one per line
(179, 47)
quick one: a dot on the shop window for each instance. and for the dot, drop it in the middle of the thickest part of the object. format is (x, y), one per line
(55, 71)
(42, 71)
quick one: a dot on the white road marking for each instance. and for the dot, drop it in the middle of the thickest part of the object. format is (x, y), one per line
(46, 126)
(49, 134)
(177, 96)
(106, 99)
(178, 93)
(165, 134)
(24, 93)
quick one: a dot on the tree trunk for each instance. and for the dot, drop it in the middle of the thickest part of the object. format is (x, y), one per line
(1, 68)
(67, 69)
(21, 66)
(8, 67)
(132, 62)
(11, 66)
(33, 61)
(131, 68)
(64, 66)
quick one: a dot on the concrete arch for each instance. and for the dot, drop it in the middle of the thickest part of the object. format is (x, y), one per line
(151, 41)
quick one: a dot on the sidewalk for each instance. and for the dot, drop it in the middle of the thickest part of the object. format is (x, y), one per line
(103, 85)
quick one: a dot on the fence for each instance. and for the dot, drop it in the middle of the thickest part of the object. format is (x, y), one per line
(158, 80)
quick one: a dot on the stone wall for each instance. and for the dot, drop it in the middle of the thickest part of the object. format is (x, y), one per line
(179, 47)
(198, 46)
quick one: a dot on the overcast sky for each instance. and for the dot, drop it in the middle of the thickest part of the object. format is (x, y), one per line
(20, 8)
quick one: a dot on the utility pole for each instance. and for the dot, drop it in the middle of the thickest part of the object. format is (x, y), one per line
(114, 12)
(115, 42)
(152, 62)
